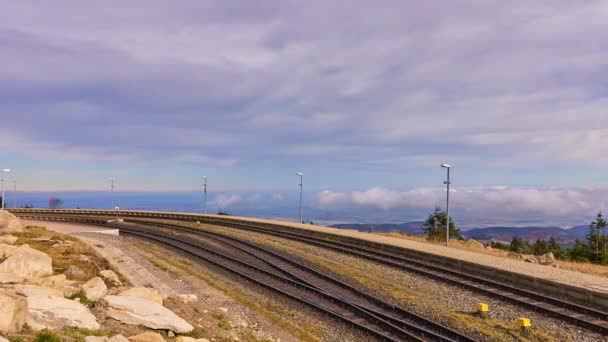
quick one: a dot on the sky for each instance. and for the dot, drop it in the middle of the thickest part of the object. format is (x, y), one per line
(367, 98)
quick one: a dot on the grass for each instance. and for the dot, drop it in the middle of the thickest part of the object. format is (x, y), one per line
(222, 322)
(494, 330)
(302, 333)
(79, 334)
(47, 336)
(83, 299)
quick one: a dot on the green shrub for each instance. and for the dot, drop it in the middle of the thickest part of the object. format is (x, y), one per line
(47, 336)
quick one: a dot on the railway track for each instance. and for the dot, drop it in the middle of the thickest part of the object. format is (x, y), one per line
(583, 316)
(396, 315)
(326, 302)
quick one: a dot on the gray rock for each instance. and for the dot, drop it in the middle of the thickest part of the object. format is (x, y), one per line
(9, 223)
(8, 239)
(57, 313)
(546, 259)
(74, 272)
(110, 277)
(95, 289)
(14, 311)
(28, 263)
(143, 292)
(139, 311)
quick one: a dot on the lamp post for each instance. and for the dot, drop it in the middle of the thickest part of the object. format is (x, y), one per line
(2, 180)
(112, 180)
(204, 194)
(301, 188)
(447, 205)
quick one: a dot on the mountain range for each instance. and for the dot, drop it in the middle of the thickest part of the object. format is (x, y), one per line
(562, 235)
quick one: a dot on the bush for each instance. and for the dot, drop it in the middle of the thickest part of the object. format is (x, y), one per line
(47, 336)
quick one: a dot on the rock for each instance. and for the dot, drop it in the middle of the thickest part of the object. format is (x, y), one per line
(14, 311)
(6, 250)
(546, 259)
(530, 258)
(139, 311)
(95, 289)
(59, 282)
(10, 278)
(28, 263)
(143, 292)
(118, 338)
(110, 277)
(187, 298)
(73, 272)
(170, 334)
(8, 239)
(9, 223)
(2, 339)
(190, 339)
(516, 256)
(84, 258)
(475, 244)
(96, 339)
(57, 313)
(29, 290)
(147, 337)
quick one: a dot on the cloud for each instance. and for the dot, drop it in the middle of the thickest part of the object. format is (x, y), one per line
(226, 200)
(498, 202)
(327, 84)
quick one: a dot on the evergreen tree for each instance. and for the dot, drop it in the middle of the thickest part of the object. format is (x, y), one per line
(434, 226)
(517, 245)
(540, 247)
(579, 252)
(555, 248)
(596, 237)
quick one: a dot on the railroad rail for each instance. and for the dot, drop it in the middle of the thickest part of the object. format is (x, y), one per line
(584, 316)
(304, 274)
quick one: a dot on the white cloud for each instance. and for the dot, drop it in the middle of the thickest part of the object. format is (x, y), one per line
(226, 200)
(500, 201)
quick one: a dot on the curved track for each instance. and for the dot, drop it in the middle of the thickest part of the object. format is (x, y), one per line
(577, 314)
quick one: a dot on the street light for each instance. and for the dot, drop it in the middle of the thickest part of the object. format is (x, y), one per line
(2, 180)
(301, 187)
(112, 180)
(205, 195)
(447, 205)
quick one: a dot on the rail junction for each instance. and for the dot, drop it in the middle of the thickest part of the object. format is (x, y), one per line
(295, 280)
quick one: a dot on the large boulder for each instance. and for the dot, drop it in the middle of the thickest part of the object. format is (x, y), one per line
(139, 311)
(145, 293)
(8, 239)
(59, 282)
(546, 259)
(6, 250)
(110, 277)
(30, 290)
(95, 289)
(9, 223)
(147, 337)
(57, 313)
(2, 339)
(10, 278)
(14, 311)
(28, 263)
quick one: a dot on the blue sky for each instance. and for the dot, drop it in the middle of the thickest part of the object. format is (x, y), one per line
(367, 98)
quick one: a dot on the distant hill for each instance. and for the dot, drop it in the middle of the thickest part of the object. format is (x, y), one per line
(563, 236)
(415, 228)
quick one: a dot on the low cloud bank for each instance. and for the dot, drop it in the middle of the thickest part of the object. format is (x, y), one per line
(499, 201)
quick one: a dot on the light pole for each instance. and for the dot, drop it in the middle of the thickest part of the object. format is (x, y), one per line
(112, 180)
(301, 188)
(204, 194)
(447, 206)
(2, 179)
